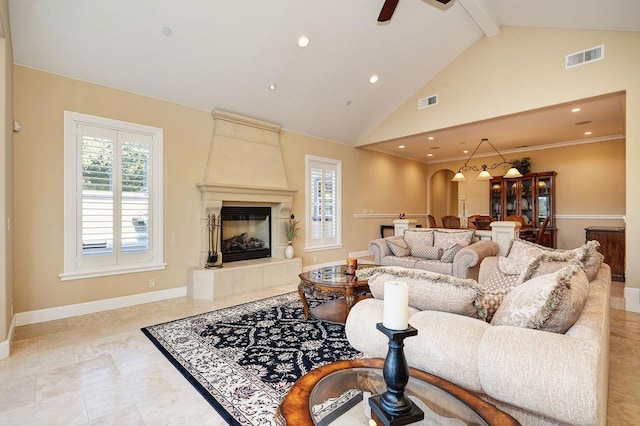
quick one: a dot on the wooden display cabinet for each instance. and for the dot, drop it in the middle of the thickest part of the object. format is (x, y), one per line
(531, 196)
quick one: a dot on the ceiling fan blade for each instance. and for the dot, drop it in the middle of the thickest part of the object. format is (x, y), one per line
(388, 8)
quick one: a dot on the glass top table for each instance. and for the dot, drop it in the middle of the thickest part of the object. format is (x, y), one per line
(337, 394)
(332, 281)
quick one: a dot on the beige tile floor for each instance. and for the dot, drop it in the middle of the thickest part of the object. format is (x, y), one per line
(99, 369)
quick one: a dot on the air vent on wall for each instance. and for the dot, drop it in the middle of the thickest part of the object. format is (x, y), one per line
(585, 56)
(427, 102)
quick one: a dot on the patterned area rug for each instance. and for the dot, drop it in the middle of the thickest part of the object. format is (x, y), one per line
(244, 359)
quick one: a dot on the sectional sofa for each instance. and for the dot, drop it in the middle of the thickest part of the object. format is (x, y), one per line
(530, 336)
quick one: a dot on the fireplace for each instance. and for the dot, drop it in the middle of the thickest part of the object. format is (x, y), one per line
(245, 233)
(245, 168)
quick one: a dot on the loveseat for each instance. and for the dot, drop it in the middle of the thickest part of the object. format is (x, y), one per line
(451, 252)
(531, 336)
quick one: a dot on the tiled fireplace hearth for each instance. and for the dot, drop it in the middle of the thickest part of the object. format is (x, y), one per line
(244, 168)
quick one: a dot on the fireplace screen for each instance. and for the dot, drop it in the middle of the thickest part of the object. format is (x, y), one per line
(245, 233)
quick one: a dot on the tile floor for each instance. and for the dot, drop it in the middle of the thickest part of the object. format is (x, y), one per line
(99, 369)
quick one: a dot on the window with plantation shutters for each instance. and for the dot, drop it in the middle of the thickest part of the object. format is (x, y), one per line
(323, 184)
(113, 197)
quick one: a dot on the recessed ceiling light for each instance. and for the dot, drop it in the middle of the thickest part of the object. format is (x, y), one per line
(303, 41)
(431, 138)
(465, 151)
(272, 86)
(373, 79)
(348, 103)
(429, 155)
(401, 146)
(166, 31)
(587, 133)
(575, 110)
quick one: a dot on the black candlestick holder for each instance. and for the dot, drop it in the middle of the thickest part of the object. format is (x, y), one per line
(393, 407)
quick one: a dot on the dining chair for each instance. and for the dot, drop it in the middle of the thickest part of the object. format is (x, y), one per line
(432, 221)
(451, 222)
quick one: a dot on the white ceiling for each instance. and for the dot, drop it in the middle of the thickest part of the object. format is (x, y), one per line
(224, 54)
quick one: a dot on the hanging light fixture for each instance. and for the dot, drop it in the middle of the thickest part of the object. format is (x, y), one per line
(484, 170)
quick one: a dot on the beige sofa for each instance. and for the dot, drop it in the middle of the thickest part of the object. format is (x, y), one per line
(539, 377)
(465, 263)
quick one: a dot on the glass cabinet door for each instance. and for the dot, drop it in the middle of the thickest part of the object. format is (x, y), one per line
(512, 190)
(526, 201)
(545, 200)
(496, 200)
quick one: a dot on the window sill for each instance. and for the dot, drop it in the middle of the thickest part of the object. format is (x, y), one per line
(320, 248)
(94, 273)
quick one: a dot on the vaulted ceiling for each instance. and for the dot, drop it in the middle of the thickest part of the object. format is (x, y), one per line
(226, 54)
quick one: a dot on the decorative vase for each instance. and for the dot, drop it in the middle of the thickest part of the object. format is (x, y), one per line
(288, 252)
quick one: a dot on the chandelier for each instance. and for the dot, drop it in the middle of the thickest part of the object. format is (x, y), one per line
(484, 170)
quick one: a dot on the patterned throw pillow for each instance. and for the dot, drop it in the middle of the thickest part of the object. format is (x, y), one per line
(587, 254)
(398, 247)
(429, 290)
(419, 241)
(501, 281)
(449, 253)
(447, 239)
(524, 251)
(590, 258)
(551, 302)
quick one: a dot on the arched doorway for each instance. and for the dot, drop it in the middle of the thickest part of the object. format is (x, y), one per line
(443, 195)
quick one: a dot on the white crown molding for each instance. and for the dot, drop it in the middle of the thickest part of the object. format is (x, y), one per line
(68, 311)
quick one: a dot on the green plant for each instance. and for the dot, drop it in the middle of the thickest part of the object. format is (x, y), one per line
(291, 227)
(523, 166)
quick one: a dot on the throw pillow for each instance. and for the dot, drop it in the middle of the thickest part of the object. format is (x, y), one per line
(549, 262)
(587, 254)
(524, 251)
(398, 247)
(551, 302)
(501, 281)
(449, 253)
(446, 239)
(429, 290)
(419, 241)
(590, 258)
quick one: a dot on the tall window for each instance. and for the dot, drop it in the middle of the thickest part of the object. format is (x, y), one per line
(323, 182)
(113, 197)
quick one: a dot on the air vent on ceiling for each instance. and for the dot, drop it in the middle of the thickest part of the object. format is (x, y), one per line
(427, 102)
(585, 56)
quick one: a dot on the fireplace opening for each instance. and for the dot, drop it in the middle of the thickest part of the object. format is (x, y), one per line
(245, 233)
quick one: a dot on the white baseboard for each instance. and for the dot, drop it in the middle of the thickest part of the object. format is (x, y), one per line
(632, 299)
(68, 311)
(5, 347)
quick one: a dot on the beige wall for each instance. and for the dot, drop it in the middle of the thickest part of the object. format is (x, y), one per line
(370, 181)
(522, 69)
(6, 170)
(590, 186)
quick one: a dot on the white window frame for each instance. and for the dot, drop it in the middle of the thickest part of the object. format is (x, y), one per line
(323, 243)
(73, 267)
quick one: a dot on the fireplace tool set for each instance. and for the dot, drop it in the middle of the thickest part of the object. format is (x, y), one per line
(213, 223)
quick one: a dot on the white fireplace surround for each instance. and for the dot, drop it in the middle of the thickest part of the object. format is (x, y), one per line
(245, 168)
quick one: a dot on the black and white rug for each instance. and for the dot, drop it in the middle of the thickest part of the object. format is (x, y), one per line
(244, 359)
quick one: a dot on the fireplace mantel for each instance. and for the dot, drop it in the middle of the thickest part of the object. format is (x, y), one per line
(227, 192)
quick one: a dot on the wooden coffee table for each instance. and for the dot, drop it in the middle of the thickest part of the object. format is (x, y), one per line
(337, 393)
(332, 281)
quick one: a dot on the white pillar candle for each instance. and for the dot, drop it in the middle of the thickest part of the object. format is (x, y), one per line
(395, 314)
